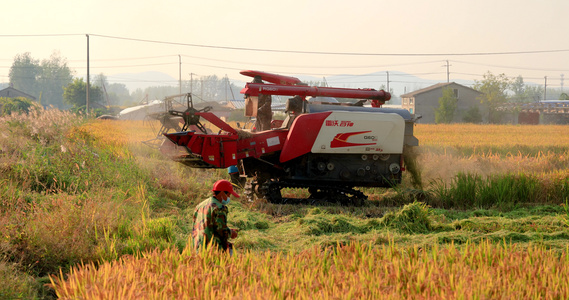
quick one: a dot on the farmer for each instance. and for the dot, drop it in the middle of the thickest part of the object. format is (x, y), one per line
(264, 110)
(210, 218)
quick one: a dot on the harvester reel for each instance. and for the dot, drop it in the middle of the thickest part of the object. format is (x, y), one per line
(190, 116)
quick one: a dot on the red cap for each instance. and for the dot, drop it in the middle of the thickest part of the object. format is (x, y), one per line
(224, 186)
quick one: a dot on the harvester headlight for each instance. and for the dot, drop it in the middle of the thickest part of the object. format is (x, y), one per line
(394, 168)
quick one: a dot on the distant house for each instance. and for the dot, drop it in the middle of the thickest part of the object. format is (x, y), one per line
(11, 92)
(540, 112)
(425, 101)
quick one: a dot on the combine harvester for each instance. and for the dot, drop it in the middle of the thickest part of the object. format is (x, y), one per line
(327, 148)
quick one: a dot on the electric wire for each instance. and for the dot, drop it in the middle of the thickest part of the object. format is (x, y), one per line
(330, 53)
(294, 52)
(288, 51)
(510, 67)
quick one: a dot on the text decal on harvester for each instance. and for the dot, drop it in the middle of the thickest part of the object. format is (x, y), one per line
(339, 123)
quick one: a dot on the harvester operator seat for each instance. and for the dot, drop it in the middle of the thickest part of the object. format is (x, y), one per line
(294, 107)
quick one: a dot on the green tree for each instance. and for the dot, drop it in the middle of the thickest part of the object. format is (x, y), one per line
(102, 83)
(24, 74)
(13, 105)
(518, 87)
(118, 93)
(75, 94)
(447, 107)
(113, 93)
(563, 96)
(533, 93)
(54, 76)
(494, 94)
(472, 115)
(524, 93)
(211, 88)
(43, 80)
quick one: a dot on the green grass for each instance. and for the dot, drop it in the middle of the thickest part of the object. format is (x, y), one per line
(67, 199)
(505, 191)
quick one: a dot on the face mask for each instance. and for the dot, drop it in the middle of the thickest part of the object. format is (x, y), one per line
(225, 202)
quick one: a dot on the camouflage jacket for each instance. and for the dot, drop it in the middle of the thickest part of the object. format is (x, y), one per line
(210, 224)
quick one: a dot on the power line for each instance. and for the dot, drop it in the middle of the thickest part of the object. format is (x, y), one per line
(125, 58)
(42, 35)
(328, 66)
(330, 53)
(97, 67)
(510, 67)
(129, 66)
(297, 52)
(289, 51)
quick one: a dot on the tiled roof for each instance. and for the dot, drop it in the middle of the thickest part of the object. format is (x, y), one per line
(15, 93)
(433, 87)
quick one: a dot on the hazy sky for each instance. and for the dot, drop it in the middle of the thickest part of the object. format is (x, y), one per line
(320, 38)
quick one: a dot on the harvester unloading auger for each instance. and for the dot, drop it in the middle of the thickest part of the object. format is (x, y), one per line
(328, 148)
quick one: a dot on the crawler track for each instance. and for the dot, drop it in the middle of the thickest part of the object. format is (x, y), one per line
(319, 193)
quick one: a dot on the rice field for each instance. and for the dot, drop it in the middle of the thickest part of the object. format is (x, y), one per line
(354, 271)
(86, 208)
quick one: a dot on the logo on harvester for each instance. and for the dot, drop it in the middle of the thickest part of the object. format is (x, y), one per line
(266, 88)
(339, 123)
(341, 140)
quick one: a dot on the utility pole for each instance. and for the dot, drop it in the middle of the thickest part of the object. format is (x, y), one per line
(191, 83)
(229, 86)
(545, 89)
(562, 83)
(448, 72)
(180, 74)
(87, 100)
(225, 89)
(387, 80)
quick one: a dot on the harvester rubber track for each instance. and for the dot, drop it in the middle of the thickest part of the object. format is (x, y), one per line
(319, 193)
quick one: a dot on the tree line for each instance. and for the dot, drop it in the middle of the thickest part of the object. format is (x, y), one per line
(497, 90)
(53, 83)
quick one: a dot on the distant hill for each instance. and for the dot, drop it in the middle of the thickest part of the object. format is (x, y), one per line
(143, 80)
(399, 82)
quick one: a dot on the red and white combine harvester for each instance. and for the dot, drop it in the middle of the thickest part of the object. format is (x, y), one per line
(328, 148)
